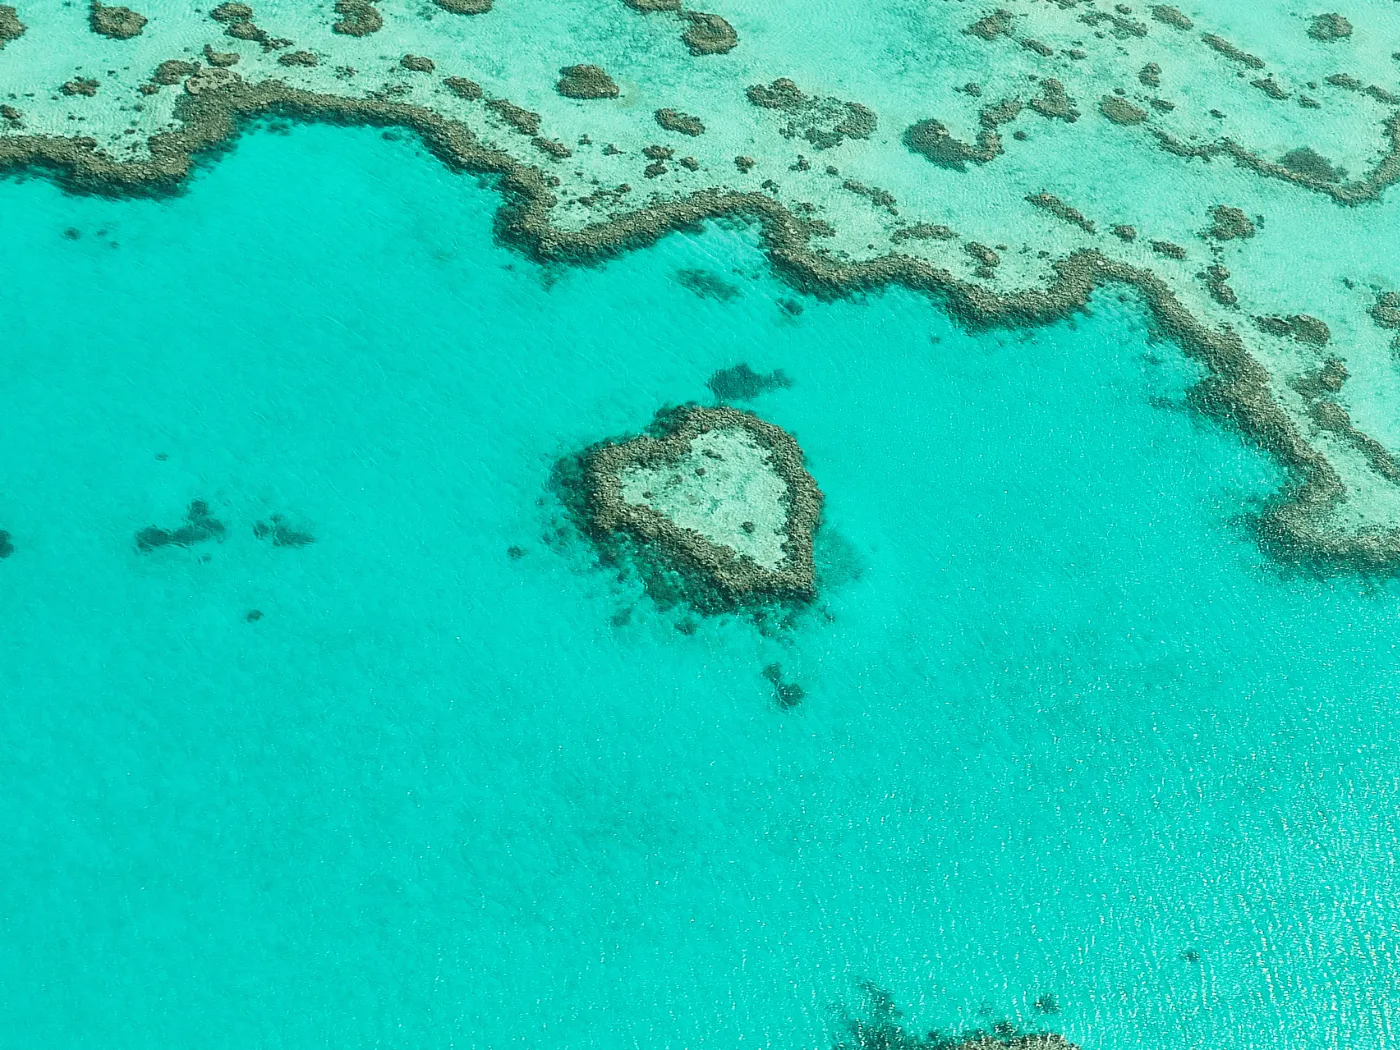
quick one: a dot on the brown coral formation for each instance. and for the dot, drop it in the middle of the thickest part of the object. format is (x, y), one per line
(923, 231)
(80, 86)
(465, 7)
(682, 123)
(1302, 328)
(719, 576)
(708, 34)
(1386, 310)
(525, 121)
(586, 82)
(1297, 526)
(823, 122)
(1307, 162)
(220, 59)
(1217, 279)
(118, 23)
(172, 71)
(1058, 208)
(1228, 224)
(463, 88)
(991, 26)
(1054, 103)
(238, 23)
(1003, 112)
(1230, 51)
(11, 28)
(1168, 15)
(1121, 111)
(1329, 27)
(417, 64)
(932, 139)
(357, 18)
(298, 58)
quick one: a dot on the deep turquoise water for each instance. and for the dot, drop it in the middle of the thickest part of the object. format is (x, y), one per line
(1065, 729)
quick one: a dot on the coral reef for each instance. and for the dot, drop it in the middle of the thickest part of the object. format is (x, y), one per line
(521, 119)
(1058, 208)
(417, 64)
(675, 120)
(357, 18)
(932, 139)
(200, 526)
(1229, 224)
(1230, 51)
(708, 34)
(281, 534)
(80, 86)
(708, 285)
(1171, 16)
(172, 71)
(1121, 111)
(465, 7)
(1308, 162)
(464, 88)
(1329, 27)
(823, 122)
(742, 383)
(991, 26)
(880, 1027)
(718, 493)
(118, 23)
(586, 82)
(1053, 102)
(11, 28)
(785, 694)
(1300, 327)
(560, 218)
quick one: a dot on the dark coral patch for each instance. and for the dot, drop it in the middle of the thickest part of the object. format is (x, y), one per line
(785, 694)
(281, 534)
(200, 526)
(357, 18)
(742, 383)
(586, 82)
(118, 23)
(708, 34)
(708, 285)
(11, 28)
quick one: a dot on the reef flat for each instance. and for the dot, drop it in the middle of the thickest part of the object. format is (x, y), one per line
(720, 494)
(1229, 165)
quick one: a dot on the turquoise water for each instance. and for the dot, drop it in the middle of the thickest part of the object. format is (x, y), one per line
(1065, 728)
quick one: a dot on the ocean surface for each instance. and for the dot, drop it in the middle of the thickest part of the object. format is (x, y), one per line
(1066, 730)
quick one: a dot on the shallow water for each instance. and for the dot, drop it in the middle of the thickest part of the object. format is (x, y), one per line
(1065, 729)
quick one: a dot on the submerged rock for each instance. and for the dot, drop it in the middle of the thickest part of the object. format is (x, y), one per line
(719, 495)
